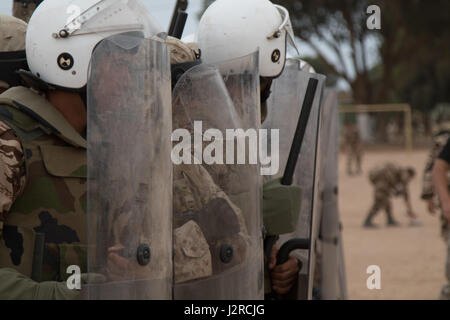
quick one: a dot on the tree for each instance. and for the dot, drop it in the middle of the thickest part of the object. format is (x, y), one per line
(412, 47)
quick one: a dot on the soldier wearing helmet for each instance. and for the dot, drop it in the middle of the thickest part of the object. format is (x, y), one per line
(230, 29)
(43, 145)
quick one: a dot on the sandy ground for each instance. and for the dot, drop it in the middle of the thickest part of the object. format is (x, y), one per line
(411, 259)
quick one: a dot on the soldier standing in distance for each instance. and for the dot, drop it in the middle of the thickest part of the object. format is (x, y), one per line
(352, 145)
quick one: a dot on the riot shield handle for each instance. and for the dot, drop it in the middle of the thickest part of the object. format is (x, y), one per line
(178, 20)
(283, 256)
(287, 247)
(299, 132)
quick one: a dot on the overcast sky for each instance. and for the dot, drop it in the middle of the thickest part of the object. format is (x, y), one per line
(159, 9)
(162, 11)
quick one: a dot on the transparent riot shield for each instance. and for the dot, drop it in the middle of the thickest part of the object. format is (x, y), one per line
(216, 213)
(284, 107)
(129, 170)
(332, 267)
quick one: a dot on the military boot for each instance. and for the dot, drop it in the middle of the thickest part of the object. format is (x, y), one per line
(392, 222)
(368, 222)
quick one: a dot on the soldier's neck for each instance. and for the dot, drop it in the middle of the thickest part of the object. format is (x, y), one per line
(71, 107)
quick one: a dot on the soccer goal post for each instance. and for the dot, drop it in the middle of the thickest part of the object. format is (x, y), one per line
(377, 108)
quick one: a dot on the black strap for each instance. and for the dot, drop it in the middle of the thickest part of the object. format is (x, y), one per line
(10, 62)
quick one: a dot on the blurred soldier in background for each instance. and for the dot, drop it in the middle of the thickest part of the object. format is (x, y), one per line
(429, 194)
(440, 137)
(23, 9)
(352, 145)
(389, 180)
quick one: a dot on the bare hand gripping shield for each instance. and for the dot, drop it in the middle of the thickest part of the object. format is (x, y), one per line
(284, 108)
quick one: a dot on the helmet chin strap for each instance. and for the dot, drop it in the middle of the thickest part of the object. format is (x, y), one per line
(40, 85)
(9, 63)
(265, 93)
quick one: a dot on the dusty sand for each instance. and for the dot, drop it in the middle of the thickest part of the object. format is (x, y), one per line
(411, 258)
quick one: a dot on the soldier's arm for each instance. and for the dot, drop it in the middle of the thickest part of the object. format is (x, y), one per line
(427, 181)
(440, 169)
(12, 170)
(16, 286)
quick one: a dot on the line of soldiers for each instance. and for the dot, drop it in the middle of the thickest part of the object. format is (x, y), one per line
(85, 139)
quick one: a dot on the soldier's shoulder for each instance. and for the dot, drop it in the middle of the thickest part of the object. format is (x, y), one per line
(440, 139)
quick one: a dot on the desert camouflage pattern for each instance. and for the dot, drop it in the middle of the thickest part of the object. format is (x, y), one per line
(439, 141)
(53, 200)
(428, 193)
(181, 52)
(12, 33)
(12, 168)
(12, 39)
(197, 240)
(214, 205)
(388, 180)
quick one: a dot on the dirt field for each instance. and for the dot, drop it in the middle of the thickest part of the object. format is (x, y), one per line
(411, 258)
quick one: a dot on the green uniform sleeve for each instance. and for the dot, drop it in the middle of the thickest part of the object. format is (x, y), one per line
(281, 207)
(16, 286)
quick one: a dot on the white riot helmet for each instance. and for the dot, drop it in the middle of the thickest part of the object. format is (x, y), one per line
(62, 34)
(234, 28)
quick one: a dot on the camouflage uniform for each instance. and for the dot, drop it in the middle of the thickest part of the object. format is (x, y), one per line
(198, 236)
(204, 216)
(388, 180)
(43, 194)
(23, 9)
(352, 143)
(12, 39)
(428, 193)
